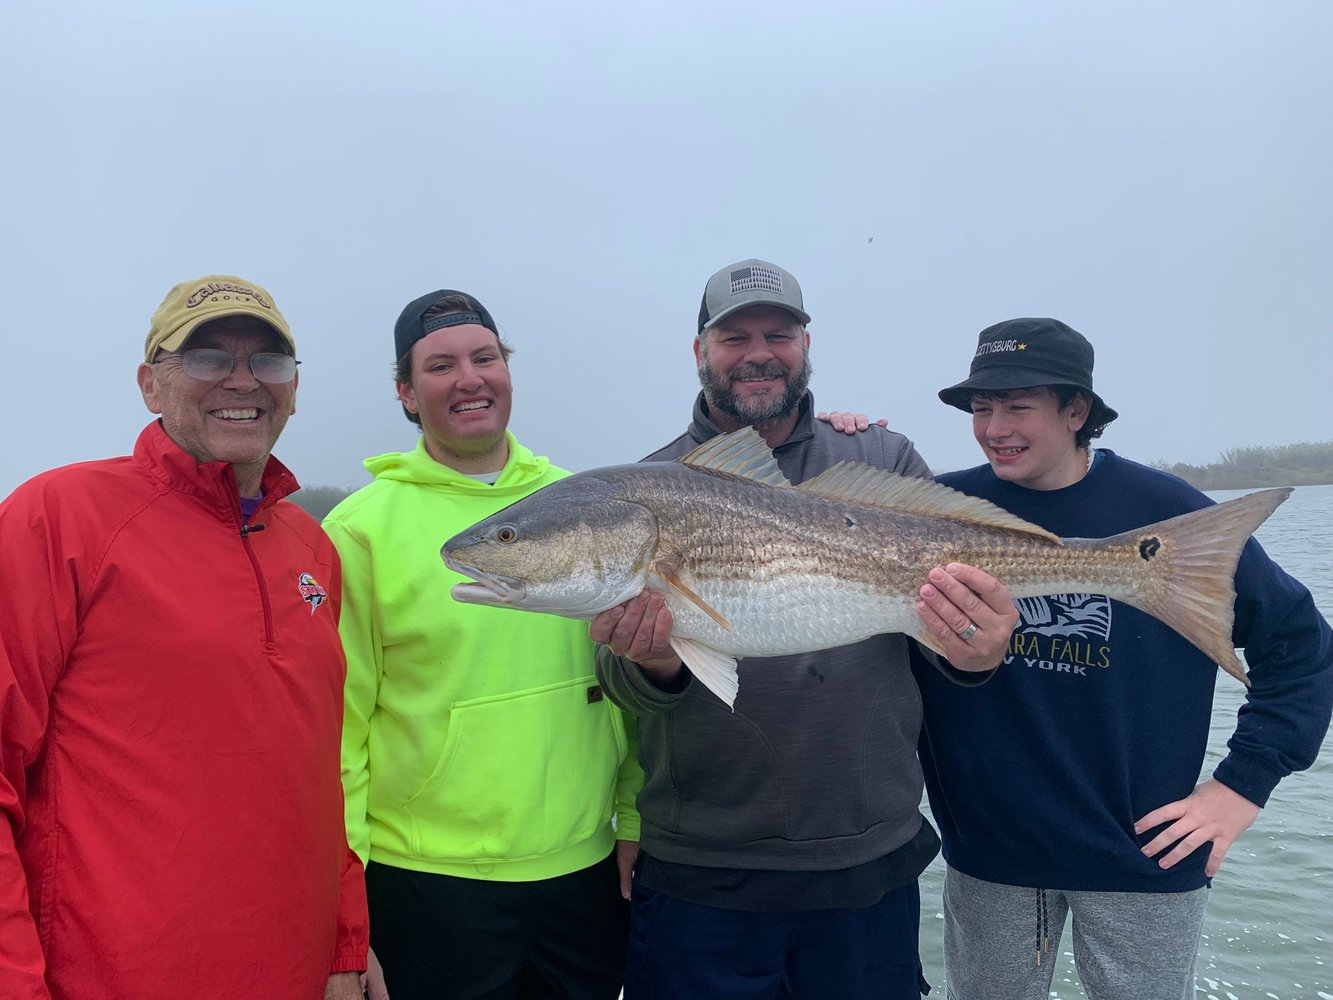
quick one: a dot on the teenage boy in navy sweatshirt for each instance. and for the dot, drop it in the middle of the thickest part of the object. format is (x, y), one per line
(1067, 784)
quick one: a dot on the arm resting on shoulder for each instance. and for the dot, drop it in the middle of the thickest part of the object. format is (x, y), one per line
(849, 423)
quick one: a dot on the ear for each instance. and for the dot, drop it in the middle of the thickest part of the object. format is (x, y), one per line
(698, 347)
(147, 379)
(406, 395)
(296, 381)
(1079, 409)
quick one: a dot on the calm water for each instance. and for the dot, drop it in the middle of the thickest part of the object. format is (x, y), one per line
(1269, 930)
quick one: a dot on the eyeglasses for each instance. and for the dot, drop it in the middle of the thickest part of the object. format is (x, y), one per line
(209, 365)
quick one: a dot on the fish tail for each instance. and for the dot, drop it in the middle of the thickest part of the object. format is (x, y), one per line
(1194, 556)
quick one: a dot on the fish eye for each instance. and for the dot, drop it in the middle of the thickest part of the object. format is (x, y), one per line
(506, 533)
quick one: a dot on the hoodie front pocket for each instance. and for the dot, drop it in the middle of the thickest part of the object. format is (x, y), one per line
(521, 775)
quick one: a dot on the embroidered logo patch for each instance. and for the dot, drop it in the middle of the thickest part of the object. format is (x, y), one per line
(311, 592)
(221, 290)
(1000, 347)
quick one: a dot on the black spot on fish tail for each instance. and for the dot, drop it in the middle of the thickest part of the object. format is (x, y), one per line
(1148, 548)
(815, 674)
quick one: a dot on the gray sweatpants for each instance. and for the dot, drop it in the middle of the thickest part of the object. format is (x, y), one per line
(1127, 945)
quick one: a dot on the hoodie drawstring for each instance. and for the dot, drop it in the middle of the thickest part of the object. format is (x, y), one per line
(1043, 930)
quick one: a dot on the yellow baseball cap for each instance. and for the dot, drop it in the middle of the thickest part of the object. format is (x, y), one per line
(211, 297)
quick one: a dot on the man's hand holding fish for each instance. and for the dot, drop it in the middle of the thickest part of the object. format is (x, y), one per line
(958, 597)
(640, 630)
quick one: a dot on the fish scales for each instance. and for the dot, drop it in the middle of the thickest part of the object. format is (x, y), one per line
(802, 538)
(752, 566)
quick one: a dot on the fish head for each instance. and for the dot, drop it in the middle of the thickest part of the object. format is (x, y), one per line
(574, 548)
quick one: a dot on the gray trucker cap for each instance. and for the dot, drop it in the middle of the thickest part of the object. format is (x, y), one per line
(748, 283)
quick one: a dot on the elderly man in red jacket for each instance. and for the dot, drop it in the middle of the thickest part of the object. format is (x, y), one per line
(171, 819)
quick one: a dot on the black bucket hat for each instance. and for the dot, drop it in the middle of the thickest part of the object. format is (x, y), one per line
(1022, 353)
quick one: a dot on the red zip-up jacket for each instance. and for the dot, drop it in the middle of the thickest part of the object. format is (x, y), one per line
(171, 820)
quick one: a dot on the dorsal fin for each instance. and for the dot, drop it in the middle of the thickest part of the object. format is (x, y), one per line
(873, 487)
(741, 453)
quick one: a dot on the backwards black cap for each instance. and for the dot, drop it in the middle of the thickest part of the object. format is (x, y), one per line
(412, 324)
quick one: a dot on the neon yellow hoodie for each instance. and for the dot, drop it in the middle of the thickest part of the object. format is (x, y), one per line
(476, 741)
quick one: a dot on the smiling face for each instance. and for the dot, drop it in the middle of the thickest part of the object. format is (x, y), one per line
(1029, 438)
(461, 392)
(754, 367)
(236, 419)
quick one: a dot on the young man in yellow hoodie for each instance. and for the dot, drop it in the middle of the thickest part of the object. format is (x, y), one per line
(489, 785)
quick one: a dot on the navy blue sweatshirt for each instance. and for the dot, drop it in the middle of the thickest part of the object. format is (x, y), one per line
(1100, 714)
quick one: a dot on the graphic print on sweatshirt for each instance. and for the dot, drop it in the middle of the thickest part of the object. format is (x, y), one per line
(311, 592)
(1062, 633)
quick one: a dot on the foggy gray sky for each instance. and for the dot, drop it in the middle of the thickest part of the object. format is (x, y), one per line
(1156, 175)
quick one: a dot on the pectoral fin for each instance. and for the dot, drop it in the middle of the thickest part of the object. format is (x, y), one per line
(667, 571)
(713, 669)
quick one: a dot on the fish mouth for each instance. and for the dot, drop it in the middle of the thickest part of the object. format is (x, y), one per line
(497, 591)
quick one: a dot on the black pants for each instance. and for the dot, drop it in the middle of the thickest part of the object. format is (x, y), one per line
(445, 938)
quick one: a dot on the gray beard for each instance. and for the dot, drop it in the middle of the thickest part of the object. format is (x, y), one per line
(759, 412)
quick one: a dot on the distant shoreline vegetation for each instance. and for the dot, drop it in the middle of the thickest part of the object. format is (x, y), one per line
(317, 501)
(1308, 463)
(1303, 464)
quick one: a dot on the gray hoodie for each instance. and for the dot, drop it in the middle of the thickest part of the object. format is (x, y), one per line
(816, 769)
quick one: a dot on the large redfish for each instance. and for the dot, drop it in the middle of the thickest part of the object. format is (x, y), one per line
(751, 565)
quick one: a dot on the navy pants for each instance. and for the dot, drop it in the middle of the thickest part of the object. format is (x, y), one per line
(684, 951)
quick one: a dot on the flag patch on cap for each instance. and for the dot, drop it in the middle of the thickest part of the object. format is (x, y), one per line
(744, 279)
